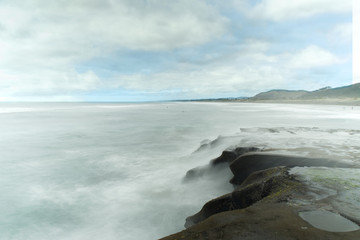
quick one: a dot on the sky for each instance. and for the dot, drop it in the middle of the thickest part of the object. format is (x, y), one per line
(154, 50)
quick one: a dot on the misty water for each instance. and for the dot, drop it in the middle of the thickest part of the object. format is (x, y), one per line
(114, 171)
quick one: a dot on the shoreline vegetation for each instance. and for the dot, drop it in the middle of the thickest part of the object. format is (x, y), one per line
(346, 95)
(277, 197)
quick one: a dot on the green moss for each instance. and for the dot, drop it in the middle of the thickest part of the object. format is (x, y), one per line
(284, 188)
(348, 183)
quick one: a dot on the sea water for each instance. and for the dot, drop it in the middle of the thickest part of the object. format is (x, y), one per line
(115, 171)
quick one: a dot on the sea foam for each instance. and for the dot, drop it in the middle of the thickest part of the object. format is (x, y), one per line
(115, 171)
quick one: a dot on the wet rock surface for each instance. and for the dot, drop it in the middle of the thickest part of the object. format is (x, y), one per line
(257, 187)
(269, 220)
(230, 155)
(246, 164)
(271, 192)
(222, 161)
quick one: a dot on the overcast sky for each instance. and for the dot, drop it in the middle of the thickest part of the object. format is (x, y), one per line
(146, 50)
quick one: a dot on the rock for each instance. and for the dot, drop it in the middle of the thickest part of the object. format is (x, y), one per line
(258, 186)
(269, 198)
(220, 204)
(230, 155)
(196, 173)
(248, 163)
(206, 144)
(270, 220)
(222, 161)
(268, 205)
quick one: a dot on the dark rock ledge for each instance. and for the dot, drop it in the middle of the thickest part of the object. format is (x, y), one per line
(264, 203)
(258, 186)
(223, 161)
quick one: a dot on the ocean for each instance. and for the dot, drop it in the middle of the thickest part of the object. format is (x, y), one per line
(86, 171)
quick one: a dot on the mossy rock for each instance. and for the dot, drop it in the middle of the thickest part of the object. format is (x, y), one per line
(271, 184)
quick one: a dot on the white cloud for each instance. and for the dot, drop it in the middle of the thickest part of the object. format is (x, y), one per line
(46, 82)
(145, 25)
(341, 33)
(279, 10)
(356, 42)
(206, 82)
(250, 68)
(49, 98)
(312, 57)
(41, 41)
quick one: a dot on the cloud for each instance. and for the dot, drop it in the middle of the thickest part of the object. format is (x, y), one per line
(42, 41)
(248, 68)
(145, 25)
(313, 57)
(341, 33)
(48, 98)
(244, 72)
(42, 49)
(280, 10)
(47, 82)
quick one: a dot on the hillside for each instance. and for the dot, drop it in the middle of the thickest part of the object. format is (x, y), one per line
(351, 91)
(279, 95)
(345, 95)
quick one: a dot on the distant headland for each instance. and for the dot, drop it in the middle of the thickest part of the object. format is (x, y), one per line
(346, 95)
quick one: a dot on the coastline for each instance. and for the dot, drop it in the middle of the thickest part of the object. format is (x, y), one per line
(269, 202)
(341, 102)
(346, 95)
(344, 102)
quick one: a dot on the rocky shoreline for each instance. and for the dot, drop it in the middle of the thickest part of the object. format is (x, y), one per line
(278, 197)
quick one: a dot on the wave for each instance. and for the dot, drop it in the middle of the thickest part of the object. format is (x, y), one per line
(336, 144)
